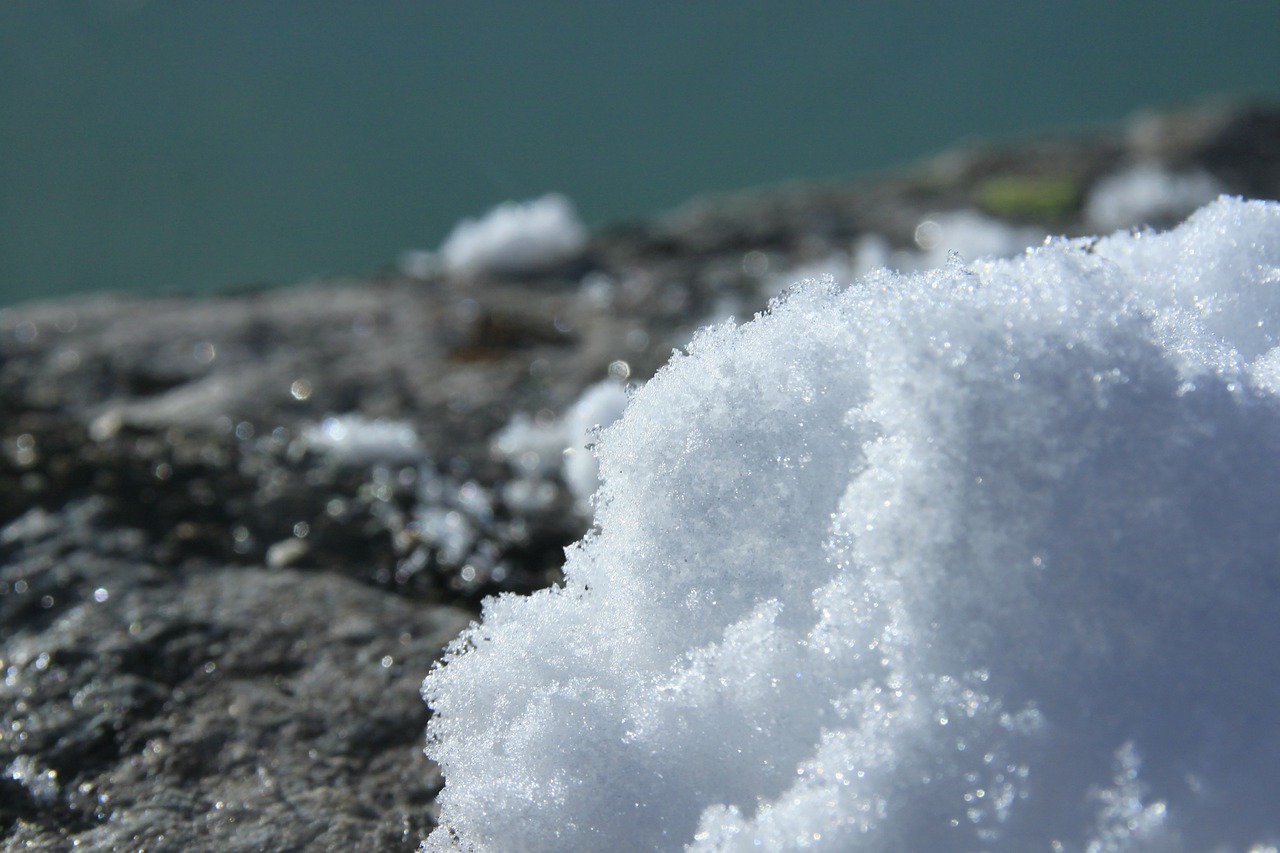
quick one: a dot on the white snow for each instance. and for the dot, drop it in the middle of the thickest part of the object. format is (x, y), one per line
(515, 237)
(983, 558)
(534, 448)
(598, 407)
(358, 440)
(1145, 194)
(969, 233)
(563, 446)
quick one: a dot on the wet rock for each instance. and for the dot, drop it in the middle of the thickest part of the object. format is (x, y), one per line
(208, 707)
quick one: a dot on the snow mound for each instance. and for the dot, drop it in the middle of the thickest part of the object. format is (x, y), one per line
(983, 558)
(516, 238)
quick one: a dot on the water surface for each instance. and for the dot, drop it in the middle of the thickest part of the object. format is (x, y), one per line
(194, 146)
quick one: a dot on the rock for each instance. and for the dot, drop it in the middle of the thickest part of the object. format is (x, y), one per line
(205, 706)
(215, 613)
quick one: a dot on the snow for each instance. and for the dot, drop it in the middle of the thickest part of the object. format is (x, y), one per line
(514, 238)
(1147, 194)
(562, 446)
(598, 407)
(980, 558)
(971, 234)
(40, 782)
(533, 447)
(357, 440)
(1135, 197)
(967, 232)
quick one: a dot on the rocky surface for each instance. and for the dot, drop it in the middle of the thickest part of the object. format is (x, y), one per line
(215, 614)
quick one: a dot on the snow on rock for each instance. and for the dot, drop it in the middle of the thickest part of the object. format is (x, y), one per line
(983, 558)
(967, 232)
(358, 440)
(564, 446)
(1147, 194)
(533, 447)
(516, 238)
(598, 407)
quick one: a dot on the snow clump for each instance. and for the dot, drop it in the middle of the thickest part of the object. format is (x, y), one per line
(982, 558)
(357, 440)
(563, 446)
(967, 232)
(516, 238)
(1147, 194)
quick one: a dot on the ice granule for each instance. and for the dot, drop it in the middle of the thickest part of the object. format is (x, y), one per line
(978, 558)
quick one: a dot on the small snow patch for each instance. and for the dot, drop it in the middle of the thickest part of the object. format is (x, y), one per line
(516, 238)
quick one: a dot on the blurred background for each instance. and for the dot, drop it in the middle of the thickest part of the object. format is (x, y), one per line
(185, 146)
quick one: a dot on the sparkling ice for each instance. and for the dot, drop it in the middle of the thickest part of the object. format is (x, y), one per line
(982, 558)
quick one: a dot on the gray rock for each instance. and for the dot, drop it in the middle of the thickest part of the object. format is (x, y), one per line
(209, 706)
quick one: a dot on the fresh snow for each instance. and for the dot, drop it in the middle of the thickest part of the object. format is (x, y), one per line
(979, 558)
(1147, 193)
(514, 237)
(358, 440)
(969, 233)
(562, 446)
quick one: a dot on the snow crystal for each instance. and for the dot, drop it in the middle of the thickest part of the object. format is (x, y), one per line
(1147, 194)
(979, 558)
(516, 238)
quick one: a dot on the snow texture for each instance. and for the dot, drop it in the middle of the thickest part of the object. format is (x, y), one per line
(982, 558)
(515, 238)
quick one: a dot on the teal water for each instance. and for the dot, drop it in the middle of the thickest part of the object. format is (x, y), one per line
(190, 146)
